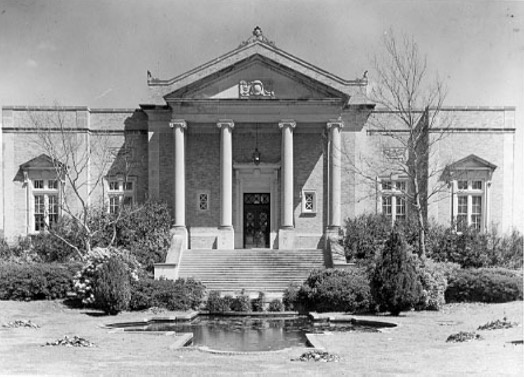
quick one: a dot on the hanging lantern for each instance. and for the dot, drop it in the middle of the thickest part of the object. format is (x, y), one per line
(256, 154)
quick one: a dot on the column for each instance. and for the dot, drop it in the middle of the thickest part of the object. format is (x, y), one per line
(336, 252)
(226, 237)
(335, 177)
(179, 129)
(287, 232)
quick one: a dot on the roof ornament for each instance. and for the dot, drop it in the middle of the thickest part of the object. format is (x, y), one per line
(257, 36)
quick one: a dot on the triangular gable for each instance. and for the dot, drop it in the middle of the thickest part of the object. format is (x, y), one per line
(43, 162)
(472, 162)
(256, 52)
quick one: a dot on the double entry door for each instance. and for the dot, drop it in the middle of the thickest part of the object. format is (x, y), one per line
(256, 220)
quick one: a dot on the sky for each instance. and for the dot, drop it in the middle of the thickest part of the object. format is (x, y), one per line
(96, 53)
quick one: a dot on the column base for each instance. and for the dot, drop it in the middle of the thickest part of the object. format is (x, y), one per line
(226, 237)
(286, 238)
(182, 232)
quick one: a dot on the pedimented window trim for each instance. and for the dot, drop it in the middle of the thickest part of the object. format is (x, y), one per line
(471, 169)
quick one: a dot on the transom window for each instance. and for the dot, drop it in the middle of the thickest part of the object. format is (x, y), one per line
(121, 194)
(393, 197)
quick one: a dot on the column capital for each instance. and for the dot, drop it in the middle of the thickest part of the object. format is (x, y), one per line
(226, 123)
(287, 123)
(335, 123)
(175, 123)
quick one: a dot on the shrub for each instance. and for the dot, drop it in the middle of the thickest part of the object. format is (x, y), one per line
(216, 303)
(241, 303)
(289, 297)
(365, 236)
(334, 290)
(84, 279)
(49, 248)
(434, 284)
(395, 283)
(180, 295)
(112, 287)
(258, 303)
(145, 231)
(276, 305)
(36, 281)
(485, 285)
(472, 249)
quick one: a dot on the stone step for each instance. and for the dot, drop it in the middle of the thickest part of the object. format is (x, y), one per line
(253, 270)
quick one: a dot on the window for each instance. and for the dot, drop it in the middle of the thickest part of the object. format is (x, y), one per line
(46, 209)
(309, 202)
(121, 193)
(469, 204)
(393, 198)
(202, 199)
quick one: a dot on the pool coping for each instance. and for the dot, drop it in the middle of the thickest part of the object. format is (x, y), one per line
(184, 339)
(353, 319)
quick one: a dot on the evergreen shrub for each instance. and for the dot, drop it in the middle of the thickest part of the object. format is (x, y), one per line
(395, 283)
(241, 303)
(289, 297)
(334, 290)
(276, 305)
(112, 286)
(180, 295)
(489, 285)
(258, 303)
(216, 303)
(29, 281)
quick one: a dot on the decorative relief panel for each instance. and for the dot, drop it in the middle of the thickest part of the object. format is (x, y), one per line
(254, 88)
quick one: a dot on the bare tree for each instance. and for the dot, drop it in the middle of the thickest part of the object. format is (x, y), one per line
(81, 160)
(409, 124)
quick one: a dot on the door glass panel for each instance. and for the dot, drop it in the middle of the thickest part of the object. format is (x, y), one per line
(256, 220)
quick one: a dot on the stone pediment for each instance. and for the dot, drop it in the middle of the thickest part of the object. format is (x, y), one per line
(472, 162)
(41, 162)
(257, 69)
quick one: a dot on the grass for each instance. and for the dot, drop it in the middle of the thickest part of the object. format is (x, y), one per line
(416, 348)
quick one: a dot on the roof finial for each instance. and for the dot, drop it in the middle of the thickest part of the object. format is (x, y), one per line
(257, 36)
(257, 32)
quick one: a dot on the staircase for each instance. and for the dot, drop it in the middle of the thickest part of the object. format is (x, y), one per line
(267, 270)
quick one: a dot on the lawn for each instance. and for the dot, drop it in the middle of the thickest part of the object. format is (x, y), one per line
(416, 348)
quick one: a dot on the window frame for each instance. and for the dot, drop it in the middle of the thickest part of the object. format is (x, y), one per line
(394, 189)
(40, 188)
(199, 193)
(116, 187)
(470, 192)
(304, 201)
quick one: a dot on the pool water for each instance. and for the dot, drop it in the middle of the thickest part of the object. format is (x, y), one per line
(250, 333)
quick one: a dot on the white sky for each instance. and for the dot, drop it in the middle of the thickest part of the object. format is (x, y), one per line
(96, 53)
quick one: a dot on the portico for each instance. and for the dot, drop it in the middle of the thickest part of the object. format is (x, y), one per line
(256, 145)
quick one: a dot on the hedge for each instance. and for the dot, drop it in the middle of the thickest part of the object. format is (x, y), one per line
(36, 281)
(489, 285)
(180, 295)
(333, 290)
